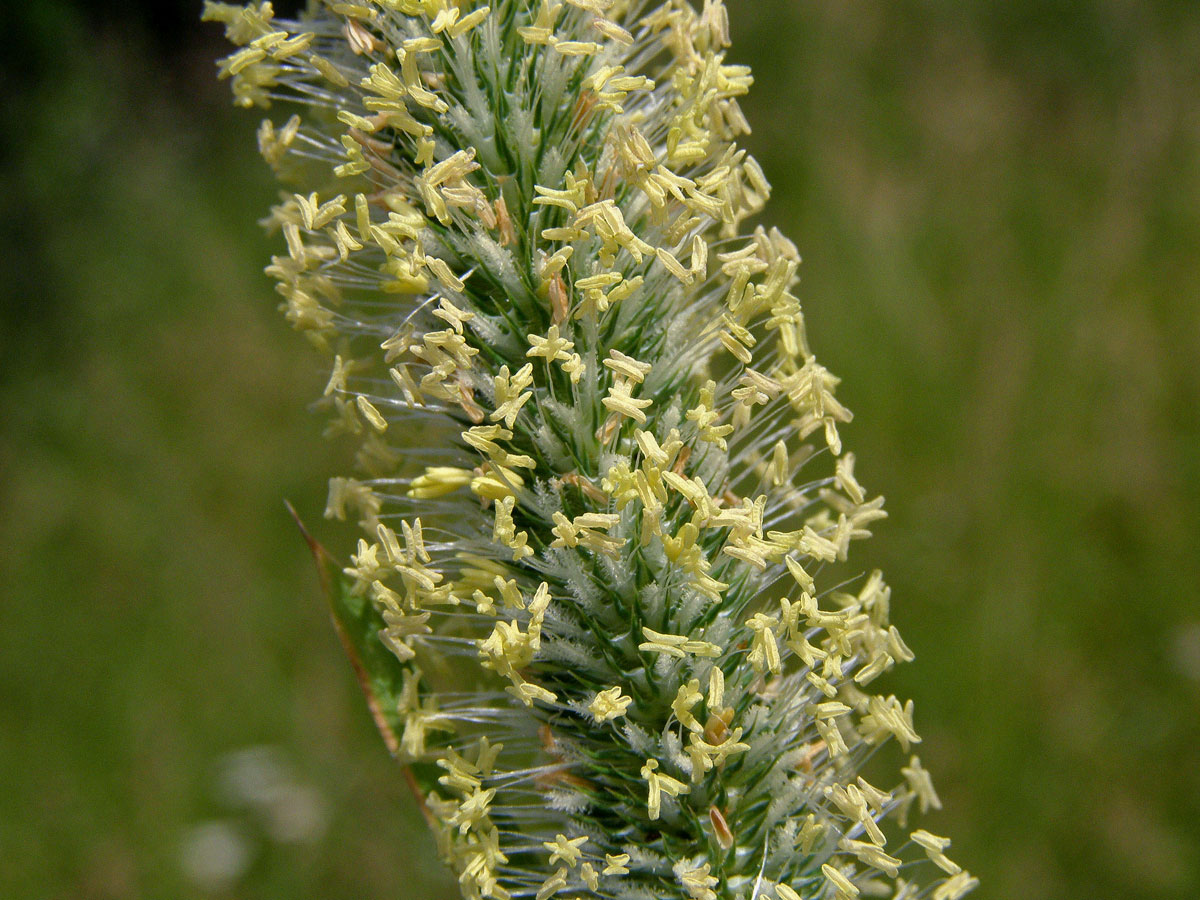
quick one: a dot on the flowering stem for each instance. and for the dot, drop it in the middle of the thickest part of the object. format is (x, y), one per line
(596, 611)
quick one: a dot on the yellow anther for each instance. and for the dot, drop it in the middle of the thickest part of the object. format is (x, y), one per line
(511, 394)
(888, 718)
(705, 755)
(552, 347)
(955, 887)
(676, 645)
(552, 885)
(627, 367)
(619, 400)
(659, 784)
(698, 882)
(371, 414)
(872, 855)
(672, 265)
(934, 847)
(764, 651)
(467, 22)
(842, 884)
(921, 785)
(609, 704)
(716, 688)
(686, 697)
(615, 864)
(565, 850)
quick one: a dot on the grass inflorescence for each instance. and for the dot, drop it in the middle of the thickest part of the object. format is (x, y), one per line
(598, 606)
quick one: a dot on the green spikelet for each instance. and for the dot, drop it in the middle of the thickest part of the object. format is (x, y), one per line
(598, 607)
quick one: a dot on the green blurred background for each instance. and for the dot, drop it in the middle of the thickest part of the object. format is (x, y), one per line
(999, 207)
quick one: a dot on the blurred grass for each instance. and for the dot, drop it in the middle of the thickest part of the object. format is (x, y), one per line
(997, 207)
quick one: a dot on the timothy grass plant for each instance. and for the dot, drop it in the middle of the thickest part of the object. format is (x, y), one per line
(601, 607)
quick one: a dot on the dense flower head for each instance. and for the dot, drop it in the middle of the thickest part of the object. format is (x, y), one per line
(604, 618)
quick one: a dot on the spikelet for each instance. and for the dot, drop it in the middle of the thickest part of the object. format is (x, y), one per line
(601, 482)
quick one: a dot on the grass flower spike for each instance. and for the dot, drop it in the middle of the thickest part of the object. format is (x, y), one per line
(598, 606)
